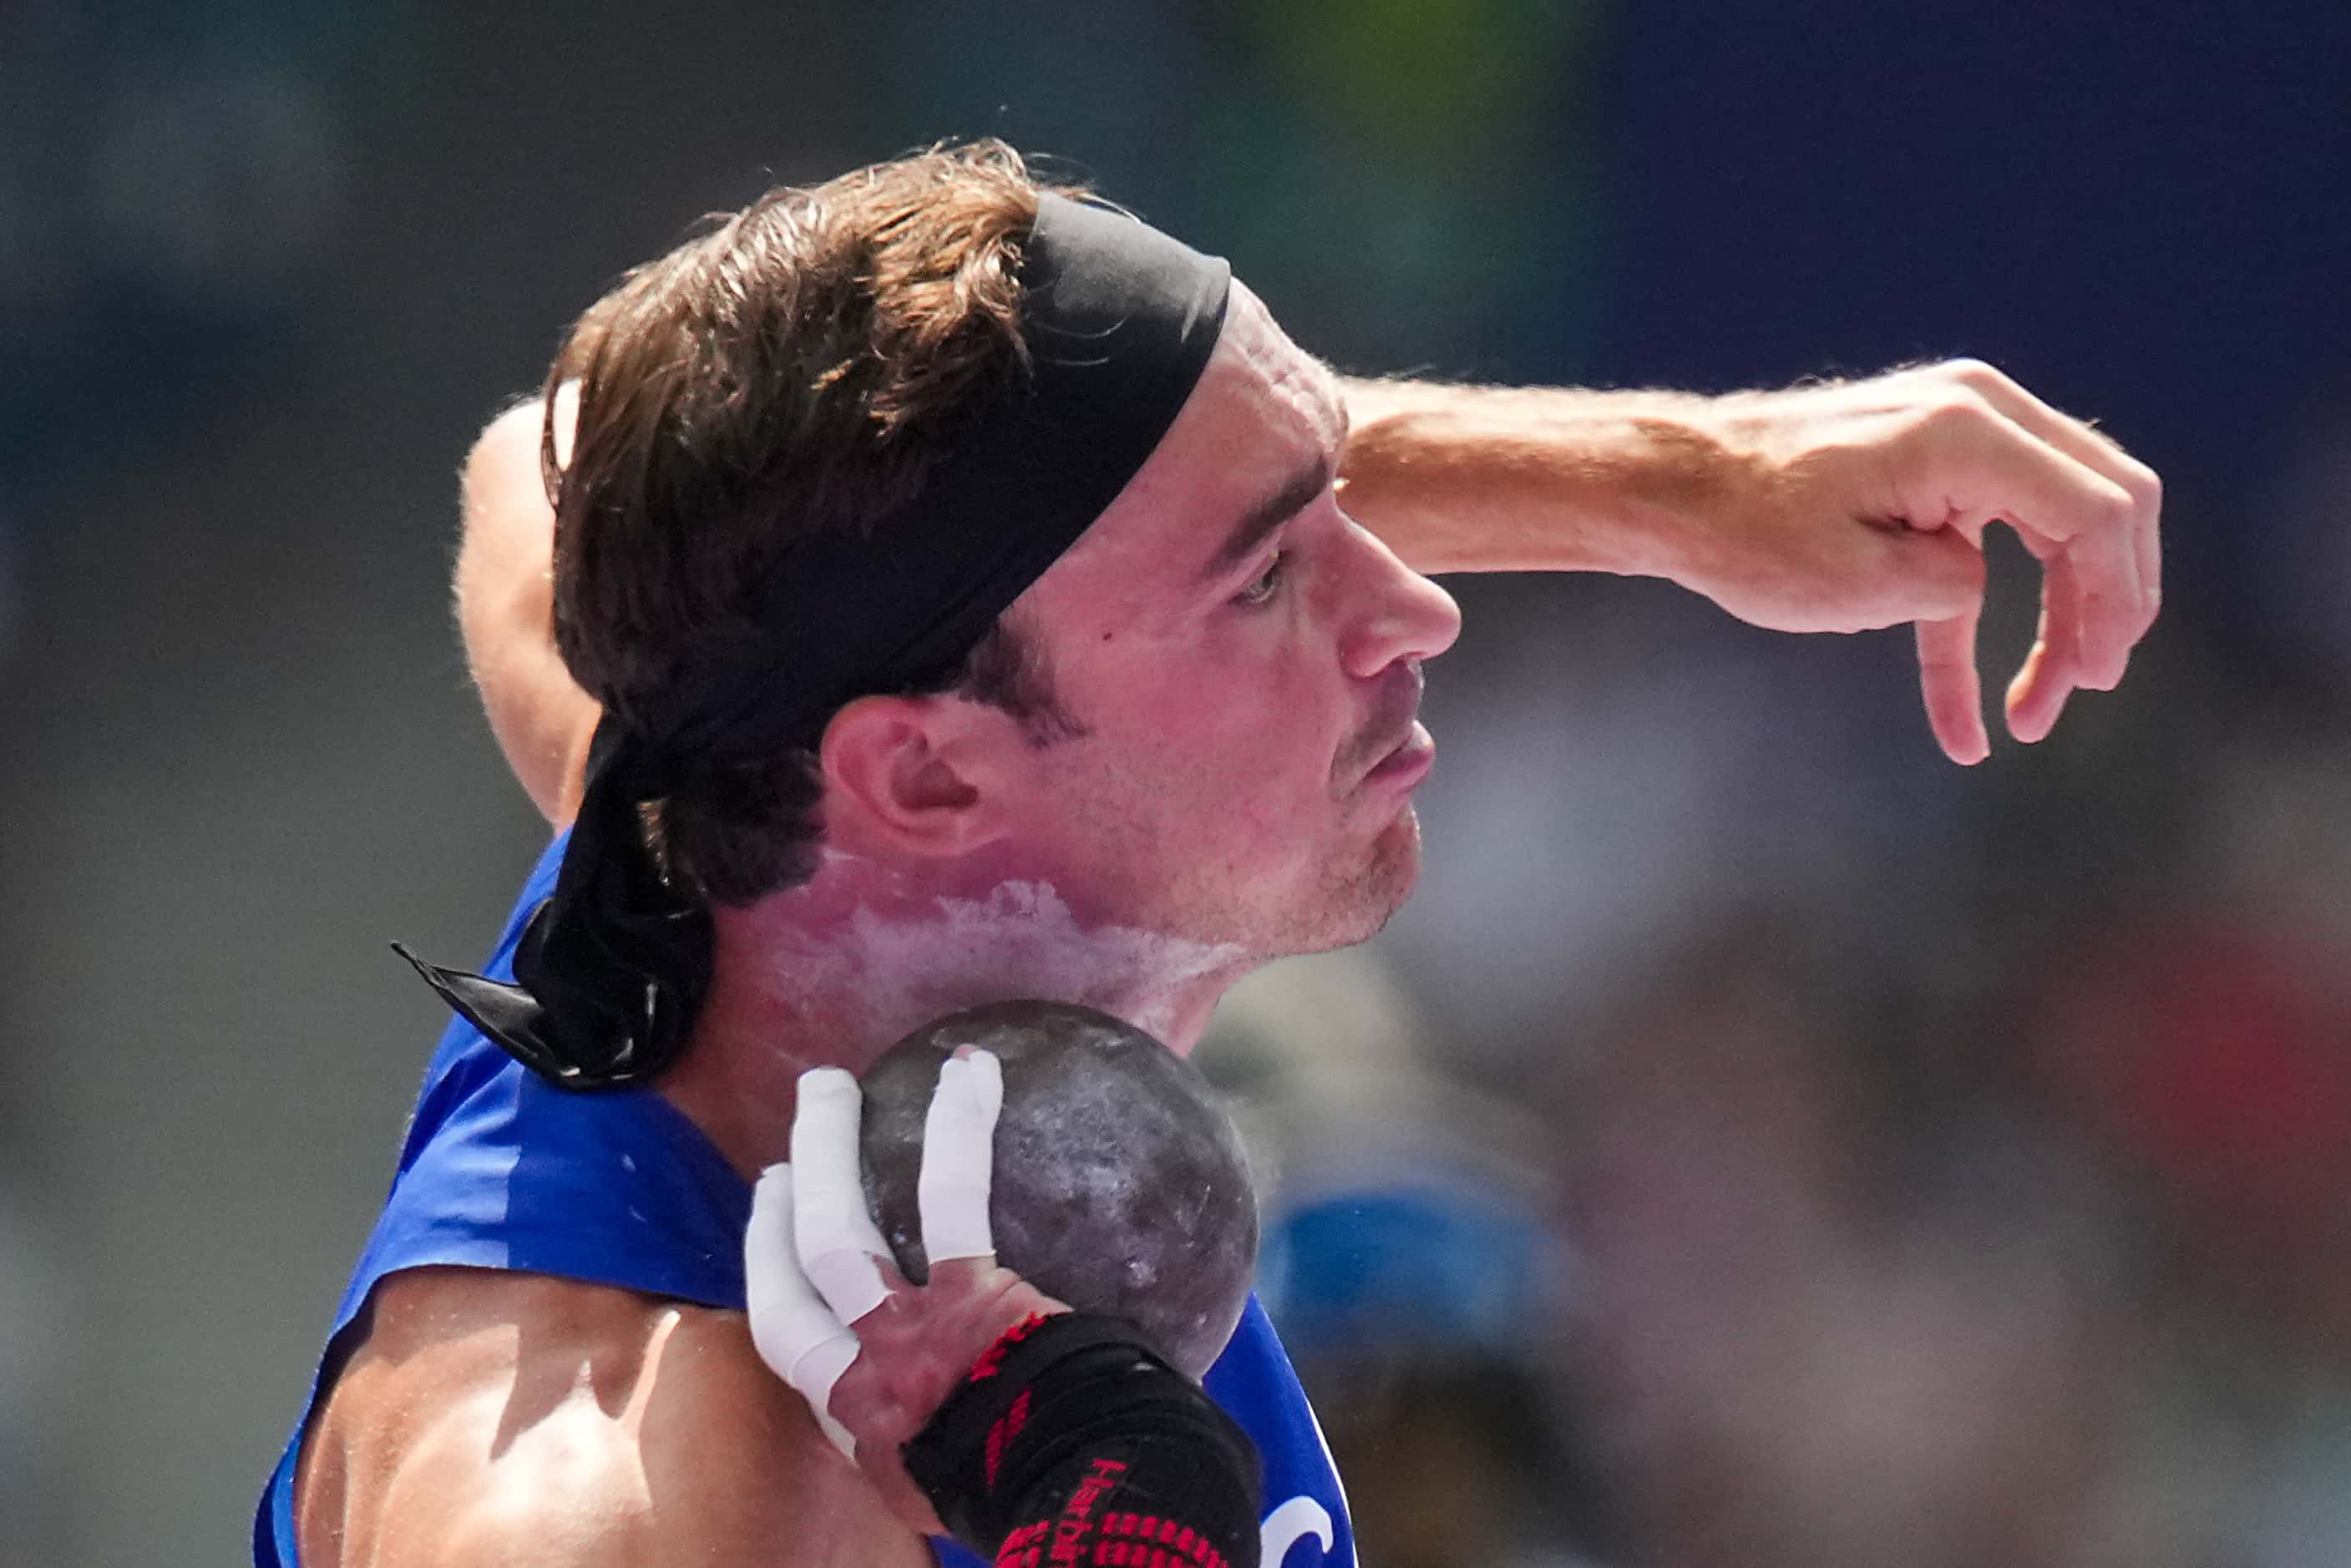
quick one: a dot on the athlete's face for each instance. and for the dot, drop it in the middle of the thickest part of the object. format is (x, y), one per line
(1244, 660)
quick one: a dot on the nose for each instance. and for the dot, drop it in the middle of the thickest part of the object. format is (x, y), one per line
(1395, 612)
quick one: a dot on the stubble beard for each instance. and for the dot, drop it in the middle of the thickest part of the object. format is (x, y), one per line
(1350, 900)
(1345, 900)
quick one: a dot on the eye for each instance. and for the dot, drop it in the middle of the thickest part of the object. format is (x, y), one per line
(1266, 584)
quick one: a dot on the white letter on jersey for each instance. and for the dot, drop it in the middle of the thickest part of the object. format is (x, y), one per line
(1292, 1522)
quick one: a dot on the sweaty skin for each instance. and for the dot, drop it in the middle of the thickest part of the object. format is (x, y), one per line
(515, 1419)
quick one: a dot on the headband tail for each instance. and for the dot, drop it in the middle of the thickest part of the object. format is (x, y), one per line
(611, 969)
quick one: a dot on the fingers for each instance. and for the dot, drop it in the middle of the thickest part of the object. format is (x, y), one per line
(2071, 518)
(839, 1247)
(816, 1266)
(2109, 536)
(2099, 575)
(2084, 444)
(795, 1333)
(2037, 696)
(1939, 576)
(959, 1158)
(1954, 694)
(2091, 608)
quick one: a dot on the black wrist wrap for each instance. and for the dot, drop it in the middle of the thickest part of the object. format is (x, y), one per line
(1072, 1443)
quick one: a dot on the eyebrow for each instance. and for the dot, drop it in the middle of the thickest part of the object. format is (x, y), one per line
(1260, 521)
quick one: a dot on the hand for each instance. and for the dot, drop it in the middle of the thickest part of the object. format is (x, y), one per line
(1869, 507)
(874, 1356)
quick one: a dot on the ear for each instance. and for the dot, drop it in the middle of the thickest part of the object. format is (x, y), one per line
(912, 776)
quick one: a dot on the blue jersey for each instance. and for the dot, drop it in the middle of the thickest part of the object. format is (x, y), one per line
(501, 1171)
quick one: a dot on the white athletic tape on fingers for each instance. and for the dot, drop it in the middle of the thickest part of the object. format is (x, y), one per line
(840, 1246)
(787, 1315)
(815, 1373)
(795, 1333)
(959, 1158)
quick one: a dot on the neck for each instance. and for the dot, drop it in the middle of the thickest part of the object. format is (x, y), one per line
(835, 971)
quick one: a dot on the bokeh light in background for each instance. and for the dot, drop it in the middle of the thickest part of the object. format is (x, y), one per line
(1890, 1163)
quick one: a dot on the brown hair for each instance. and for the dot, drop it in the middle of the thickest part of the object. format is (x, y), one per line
(794, 369)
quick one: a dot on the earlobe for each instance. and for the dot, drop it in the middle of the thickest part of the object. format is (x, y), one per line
(900, 777)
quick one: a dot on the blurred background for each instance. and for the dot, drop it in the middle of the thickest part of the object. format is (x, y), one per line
(1759, 1142)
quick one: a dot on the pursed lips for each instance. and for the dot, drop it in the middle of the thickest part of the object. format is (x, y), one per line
(1393, 724)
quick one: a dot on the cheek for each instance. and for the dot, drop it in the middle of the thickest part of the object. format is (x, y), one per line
(1219, 765)
(1223, 730)
(1258, 740)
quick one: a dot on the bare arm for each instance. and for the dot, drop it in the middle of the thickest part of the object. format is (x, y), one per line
(505, 612)
(1502, 479)
(521, 1421)
(1834, 507)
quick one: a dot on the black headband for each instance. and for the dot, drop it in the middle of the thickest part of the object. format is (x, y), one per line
(1119, 321)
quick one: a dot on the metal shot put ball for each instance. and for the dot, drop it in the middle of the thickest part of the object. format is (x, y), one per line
(1119, 1186)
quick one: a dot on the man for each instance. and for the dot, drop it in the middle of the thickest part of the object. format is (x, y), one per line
(916, 698)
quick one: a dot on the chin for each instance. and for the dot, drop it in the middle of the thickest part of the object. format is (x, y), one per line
(1395, 870)
(1353, 907)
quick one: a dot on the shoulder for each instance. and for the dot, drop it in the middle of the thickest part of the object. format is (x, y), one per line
(515, 1419)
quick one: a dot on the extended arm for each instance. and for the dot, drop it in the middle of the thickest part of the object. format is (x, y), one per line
(1835, 507)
